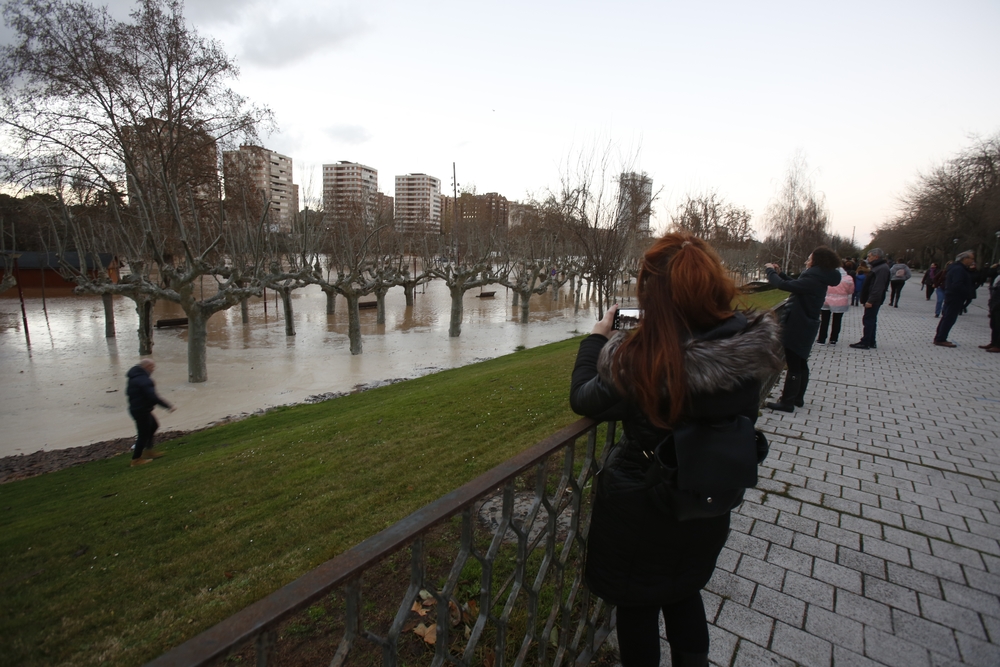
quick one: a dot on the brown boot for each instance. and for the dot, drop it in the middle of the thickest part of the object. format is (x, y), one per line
(150, 454)
(140, 462)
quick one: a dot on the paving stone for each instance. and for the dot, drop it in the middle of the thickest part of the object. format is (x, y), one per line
(820, 514)
(745, 623)
(844, 658)
(974, 541)
(783, 504)
(712, 603)
(839, 536)
(952, 616)
(866, 563)
(721, 645)
(841, 505)
(802, 647)
(761, 572)
(886, 550)
(757, 511)
(939, 567)
(970, 598)
(837, 575)
(938, 638)
(790, 559)
(731, 586)
(867, 611)
(863, 526)
(814, 547)
(728, 559)
(837, 629)
(779, 606)
(898, 597)
(773, 534)
(893, 651)
(808, 590)
(957, 554)
(983, 581)
(798, 524)
(905, 538)
(915, 580)
(978, 652)
(746, 544)
(749, 654)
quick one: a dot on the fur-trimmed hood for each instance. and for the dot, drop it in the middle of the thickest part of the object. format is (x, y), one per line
(718, 360)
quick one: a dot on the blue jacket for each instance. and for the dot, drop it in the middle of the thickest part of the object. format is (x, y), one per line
(141, 391)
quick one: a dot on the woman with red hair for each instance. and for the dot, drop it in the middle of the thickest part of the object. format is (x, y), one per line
(692, 358)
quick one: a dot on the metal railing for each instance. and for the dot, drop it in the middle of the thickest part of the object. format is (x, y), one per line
(533, 607)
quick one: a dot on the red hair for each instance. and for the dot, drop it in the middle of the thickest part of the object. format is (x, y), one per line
(683, 288)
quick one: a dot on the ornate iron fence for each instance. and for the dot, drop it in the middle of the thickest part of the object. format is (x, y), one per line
(531, 606)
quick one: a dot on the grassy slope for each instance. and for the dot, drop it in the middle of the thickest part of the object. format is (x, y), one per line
(103, 564)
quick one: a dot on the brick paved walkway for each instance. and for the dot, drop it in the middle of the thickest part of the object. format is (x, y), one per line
(873, 537)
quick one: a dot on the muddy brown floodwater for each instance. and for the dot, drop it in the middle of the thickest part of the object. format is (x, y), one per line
(67, 388)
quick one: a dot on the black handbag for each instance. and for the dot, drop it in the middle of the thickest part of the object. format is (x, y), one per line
(701, 469)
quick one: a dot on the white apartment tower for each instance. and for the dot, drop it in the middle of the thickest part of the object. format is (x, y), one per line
(418, 203)
(349, 189)
(270, 174)
(635, 201)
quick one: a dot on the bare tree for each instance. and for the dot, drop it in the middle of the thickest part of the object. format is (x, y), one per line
(796, 217)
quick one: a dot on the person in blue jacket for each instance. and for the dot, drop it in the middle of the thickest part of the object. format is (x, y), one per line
(142, 398)
(800, 320)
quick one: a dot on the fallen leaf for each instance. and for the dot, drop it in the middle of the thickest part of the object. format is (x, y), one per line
(417, 607)
(454, 613)
(420, 630)
(489, 658)
(429, 634)
(228, 575)
(410, 625)
(425, 594)
(430, 603)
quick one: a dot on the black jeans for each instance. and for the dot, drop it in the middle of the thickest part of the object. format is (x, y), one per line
(146, 425)
(895, 287)
(869, 322)
(824, 324)
(949, 315)
(639, 631)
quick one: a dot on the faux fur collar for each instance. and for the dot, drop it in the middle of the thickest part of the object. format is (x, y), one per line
(719, 359)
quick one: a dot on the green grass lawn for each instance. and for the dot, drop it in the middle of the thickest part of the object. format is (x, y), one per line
(105, 564)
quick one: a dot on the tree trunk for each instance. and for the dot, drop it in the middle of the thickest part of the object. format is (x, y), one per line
(380, 305)
(457, 310)
(144, 308)
(525, 304)
(408, 293)
(197, 344)
(109, 315)
(354, 323)
(516, 299)
(244, 311)
(286, 301)
(331, 300)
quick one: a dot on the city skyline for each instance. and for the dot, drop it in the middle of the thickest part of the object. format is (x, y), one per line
(710, 97)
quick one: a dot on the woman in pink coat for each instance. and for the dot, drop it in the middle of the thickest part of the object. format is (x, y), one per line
(838, 301)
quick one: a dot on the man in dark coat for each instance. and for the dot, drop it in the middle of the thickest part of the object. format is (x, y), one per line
(958, 289)
(873, 296)
(142, 398)
(994, 305)
(801, 320)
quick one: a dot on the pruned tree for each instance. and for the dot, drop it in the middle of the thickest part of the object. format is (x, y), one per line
(136, 110)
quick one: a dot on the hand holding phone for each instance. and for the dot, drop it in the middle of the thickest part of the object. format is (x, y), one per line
(627, 319)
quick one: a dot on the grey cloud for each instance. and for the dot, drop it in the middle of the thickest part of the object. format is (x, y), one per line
(288, 39)
(349, 134)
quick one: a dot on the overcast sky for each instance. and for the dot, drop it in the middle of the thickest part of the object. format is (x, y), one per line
(712, 95)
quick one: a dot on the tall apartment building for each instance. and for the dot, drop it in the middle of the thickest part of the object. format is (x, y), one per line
(635, 201)
(418, 203)
(491, 209)
(266, 174)
(349, 190)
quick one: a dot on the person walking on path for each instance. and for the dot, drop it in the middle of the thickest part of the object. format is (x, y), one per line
(939, 289)
(994, 306)
(142, 398)
(873, 296)
(898, 275)
(801, 320)
(958, 289)
(928, 280)
(837, 303)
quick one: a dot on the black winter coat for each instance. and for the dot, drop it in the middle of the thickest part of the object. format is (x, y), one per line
(801, 314)
(637, 552)
(959, 286)
(141, 391)
(875, 286)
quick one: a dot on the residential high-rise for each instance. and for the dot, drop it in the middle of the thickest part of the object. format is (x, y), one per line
(418, 203)
(491, 209)
(268, 177)
(635, 201)
(349, 190)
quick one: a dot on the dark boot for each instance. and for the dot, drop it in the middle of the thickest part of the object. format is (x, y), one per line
(678, 659)
(788, 394)
(800, 397)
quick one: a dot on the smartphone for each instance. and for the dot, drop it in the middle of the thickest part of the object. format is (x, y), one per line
(627, 319)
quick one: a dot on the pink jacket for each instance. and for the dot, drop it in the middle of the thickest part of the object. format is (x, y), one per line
(838, 297)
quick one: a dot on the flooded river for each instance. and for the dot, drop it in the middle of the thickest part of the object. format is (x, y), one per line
(67, 388)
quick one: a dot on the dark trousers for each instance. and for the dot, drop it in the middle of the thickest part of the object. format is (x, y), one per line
(824, 324)
(949, 315)
(895, 287)
(930, 290)
(639, 631)
(146, 425)
(995, 327)
(869, 321)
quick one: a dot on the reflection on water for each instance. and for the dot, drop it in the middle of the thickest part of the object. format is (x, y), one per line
(67, 387)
